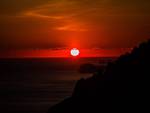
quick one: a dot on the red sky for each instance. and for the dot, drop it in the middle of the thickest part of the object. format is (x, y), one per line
(62, 53)
(108, 25)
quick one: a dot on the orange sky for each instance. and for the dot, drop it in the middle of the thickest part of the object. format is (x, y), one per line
(62, 53)
(86, 24)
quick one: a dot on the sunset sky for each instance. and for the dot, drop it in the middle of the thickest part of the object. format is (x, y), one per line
(52, 25)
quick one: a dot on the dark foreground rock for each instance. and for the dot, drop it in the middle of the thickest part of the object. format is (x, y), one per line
(123, 87)
(87, 68)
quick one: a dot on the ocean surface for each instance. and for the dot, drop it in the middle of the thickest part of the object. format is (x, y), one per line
(34, 85)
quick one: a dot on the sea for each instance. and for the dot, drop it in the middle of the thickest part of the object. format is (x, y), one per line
(33, 85)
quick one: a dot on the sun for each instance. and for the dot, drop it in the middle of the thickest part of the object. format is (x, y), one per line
(74, 52)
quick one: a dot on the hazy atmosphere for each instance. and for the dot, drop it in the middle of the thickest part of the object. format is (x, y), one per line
(42, 24)
(74, 56)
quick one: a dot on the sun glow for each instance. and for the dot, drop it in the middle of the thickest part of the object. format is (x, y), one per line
(74, 52)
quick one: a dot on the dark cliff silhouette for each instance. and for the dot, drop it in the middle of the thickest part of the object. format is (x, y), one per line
(122, 87)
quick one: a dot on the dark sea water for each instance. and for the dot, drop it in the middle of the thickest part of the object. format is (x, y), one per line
(34, 85)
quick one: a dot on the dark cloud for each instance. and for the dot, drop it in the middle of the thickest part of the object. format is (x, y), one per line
(11, 7)
(53, 23)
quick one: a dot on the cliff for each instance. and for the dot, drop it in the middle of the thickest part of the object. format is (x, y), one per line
(122, 87)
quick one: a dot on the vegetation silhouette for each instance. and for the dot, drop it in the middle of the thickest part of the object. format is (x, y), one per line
(122, 87)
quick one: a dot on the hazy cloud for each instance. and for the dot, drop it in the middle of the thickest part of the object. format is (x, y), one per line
(105, 23)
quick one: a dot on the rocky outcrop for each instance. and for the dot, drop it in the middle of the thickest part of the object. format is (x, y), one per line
(87, 68)
(122, 87)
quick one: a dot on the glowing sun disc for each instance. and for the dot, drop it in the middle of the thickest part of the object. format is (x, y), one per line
(74, 52)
